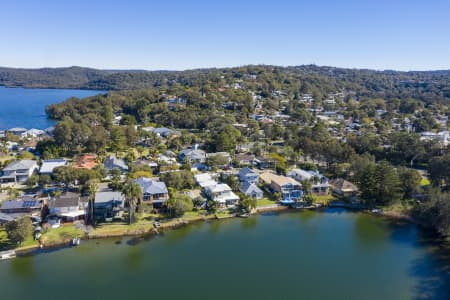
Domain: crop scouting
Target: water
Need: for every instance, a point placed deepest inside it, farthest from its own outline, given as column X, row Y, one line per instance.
column 307, row 255
column 21, row 107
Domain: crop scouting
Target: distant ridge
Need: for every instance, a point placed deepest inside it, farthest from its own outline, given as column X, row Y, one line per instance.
column 88, row 78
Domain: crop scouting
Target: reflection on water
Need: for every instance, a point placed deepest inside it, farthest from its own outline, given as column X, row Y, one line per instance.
column 23, row 268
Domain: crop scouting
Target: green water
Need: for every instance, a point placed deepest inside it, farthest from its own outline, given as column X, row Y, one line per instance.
column 301, row 255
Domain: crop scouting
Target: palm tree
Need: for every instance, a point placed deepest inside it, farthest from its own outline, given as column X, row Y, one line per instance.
column 93, row 187
column 133, row 194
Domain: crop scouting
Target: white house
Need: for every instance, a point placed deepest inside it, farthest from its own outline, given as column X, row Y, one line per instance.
column 248, row 175
column 19, row 171
column 251, row 189
column 319, row 182
column 49, row 165
column 222, row 194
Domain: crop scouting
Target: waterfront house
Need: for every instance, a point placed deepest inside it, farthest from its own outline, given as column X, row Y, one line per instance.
column 109, row 205
column 86, row 161
column 251, row 189
column 248, row 175
column 154, row 192
column 49, row 165
column 112, row 162
column 19, row 171
column 68, row 206
column 343, row 188
column 288, row 187
column 222, row 194
column 319, row 183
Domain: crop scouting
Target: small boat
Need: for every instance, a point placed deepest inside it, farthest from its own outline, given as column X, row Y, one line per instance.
column 156, row 224
column 76, row 241
column 376, row 211
column 7, row 254
column 244, row 215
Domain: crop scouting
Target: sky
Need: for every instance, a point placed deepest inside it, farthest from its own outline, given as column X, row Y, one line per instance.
column 178, row 35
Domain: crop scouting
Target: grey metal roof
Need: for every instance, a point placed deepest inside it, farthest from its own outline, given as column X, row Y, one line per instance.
column 150, row 186
column 102, row 197
column 16, row 204
column 64, row 200
column 112, row 162
column 248, row 188
column 24, row 164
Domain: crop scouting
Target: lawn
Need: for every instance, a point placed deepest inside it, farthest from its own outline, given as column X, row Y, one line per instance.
column 62, row 234
column 6, row 244
column 265, row 202
column 323, row 198
column 424, row 181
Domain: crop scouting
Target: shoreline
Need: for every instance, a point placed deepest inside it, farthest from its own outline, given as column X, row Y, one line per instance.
column 180, row 222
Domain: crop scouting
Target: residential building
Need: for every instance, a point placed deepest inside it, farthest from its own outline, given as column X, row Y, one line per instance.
column 245, row 159
column 19, row 171
column 49, row 165
column 344, row 188
column 222, row 194
column 251, row 189
column 109, row 205
column 154, row 192
column 25, row 206
column 319, row 183
column 193, row 156
column 248, row 175
column 204, row 180
column 112, row 162
column 68, row 206
column 288, row 187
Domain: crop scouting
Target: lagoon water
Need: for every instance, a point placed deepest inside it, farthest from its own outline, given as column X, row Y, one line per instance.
column 21, row 107
column 303, row 255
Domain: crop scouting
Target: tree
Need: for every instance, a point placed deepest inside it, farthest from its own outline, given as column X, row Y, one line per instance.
column 247, row 203
column 133, row 195
column 178, row 180
column 178, row 204
column 33, row 180
column 379, row 184
column 115, row 180
column 307, row 192
column 93, row 187
column 435, row 211
column 409, row 181
column 19, row 230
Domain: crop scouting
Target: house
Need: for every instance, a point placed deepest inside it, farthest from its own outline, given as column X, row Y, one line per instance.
column 18, row 131
column 109, row 205
column 86, row 161
column 226, row 157
column 154, row 192
column 112, row 162
column 193, row 156
column 288, row 187
column 68, row 206
column 265, row 162
column 344, row 188
column 222, row 194
column 49, row 165
column 19, row 171
column 24, row 206
column 251, row 189
column 204, row 180
column 319, row 183
column 248, row 175
column 34, row 133
column 245, row 159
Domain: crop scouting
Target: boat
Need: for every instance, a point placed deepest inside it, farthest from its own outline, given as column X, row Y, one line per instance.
column 76, row 241
column 7, row 254
column 376, row 211
column 244, row 215
column 156, row 224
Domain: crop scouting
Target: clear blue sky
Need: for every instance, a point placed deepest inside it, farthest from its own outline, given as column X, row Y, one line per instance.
column 183, row 34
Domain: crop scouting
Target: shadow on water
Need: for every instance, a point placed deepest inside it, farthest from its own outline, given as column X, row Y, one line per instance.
column 433, row 270
column 23, row 267
column 249, row 223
